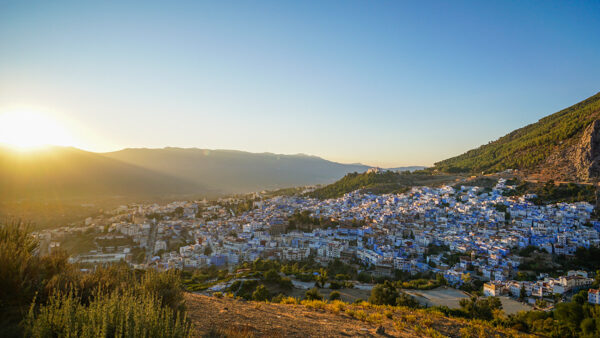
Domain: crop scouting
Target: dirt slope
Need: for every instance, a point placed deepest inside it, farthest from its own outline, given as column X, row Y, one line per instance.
column 225, row 317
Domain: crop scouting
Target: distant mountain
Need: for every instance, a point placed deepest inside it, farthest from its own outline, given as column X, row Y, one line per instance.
column 561, row 146
column 232, row 171
column 64, row 173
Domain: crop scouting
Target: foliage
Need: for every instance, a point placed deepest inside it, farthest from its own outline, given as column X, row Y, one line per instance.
column 528, row 146
column 322, row 277
column 480, row 308
column 550, row 192
column 120, row 313
column 261, row 293
column 313, row 294
column 381, row 182
column 51, row 287
column 334, row 295
column 243, row 288
column 388, row 294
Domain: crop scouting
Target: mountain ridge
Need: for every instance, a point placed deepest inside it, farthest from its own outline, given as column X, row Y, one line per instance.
column 541, row 149
column 69, row 172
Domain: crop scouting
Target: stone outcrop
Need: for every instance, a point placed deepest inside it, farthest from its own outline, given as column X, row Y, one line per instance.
column 586, row 155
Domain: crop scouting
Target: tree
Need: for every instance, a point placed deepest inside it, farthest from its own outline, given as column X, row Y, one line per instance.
column 208, row 250
column 522, row 293
column 440, row 279
column 588, row 326
column 272, row 276
column 480, row 308
column 384, row 294
column 322, row 278
column 557, row 298
column 569, row 314
column 465, row 277
column 364, row 277
column 581, row 297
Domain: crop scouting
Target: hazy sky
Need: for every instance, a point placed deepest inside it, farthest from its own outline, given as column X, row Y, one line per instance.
column 383, row 83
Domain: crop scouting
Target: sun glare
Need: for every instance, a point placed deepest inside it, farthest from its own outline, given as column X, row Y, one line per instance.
column 29, row 131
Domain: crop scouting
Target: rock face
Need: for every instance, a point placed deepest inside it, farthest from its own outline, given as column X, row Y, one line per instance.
column 578, row 159
column 587, row 153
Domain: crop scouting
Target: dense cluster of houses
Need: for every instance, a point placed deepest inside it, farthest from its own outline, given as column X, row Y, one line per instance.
column 544, row 288
column 479, row 229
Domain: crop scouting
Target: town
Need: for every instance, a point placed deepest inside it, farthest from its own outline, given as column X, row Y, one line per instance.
column 463, row 233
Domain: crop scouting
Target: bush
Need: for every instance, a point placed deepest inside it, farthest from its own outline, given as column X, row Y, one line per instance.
column 364, row 277
column 285, row 283
column 243, row 289
column 480, row 308
column 388, row 294
column 334, row 295
column 278, row 299
column 166, row 285
column 260, row 294
column 63, row 301
column 116, row 314
column 272, row 276
column 384, row 294
column 342, row 277
column 335, row 285
column 313, row 294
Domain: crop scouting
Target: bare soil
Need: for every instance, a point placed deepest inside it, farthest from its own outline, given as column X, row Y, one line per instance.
column 227, row 317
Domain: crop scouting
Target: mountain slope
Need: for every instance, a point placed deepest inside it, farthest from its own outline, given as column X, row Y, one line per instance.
column 379, row 182
column 560, row 146
column 237, row 171
column 64, row 173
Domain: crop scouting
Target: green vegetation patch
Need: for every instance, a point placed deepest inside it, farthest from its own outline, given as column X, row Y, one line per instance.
column 527, row 147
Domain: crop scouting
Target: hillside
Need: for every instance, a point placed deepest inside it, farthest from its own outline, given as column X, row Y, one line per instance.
column 561, row 146
column 380, row 182
column 61, row 173
column 66, row 173
column 225, row 317
column 231, row 171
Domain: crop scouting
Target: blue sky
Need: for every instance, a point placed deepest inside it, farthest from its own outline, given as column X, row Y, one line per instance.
column 386, row 83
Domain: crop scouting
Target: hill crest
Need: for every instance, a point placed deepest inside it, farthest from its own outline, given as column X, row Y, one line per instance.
column 561, row 146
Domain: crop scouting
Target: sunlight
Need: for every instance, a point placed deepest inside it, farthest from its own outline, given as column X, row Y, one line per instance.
column 24, row 130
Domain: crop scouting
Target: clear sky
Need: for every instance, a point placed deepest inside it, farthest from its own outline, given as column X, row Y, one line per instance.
column 385, row 83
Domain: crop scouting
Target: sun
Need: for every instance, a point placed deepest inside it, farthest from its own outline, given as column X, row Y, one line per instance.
column 24, row 130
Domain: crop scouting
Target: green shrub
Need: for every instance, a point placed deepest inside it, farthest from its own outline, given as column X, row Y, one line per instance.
column 260, row 294
column 62, row 300
column 335, row 285
column 334, row 295
column 313, row 294
column 108, row 315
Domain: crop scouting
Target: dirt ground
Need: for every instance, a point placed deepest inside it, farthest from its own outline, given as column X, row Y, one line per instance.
column 271, row 320
column 227, row 317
